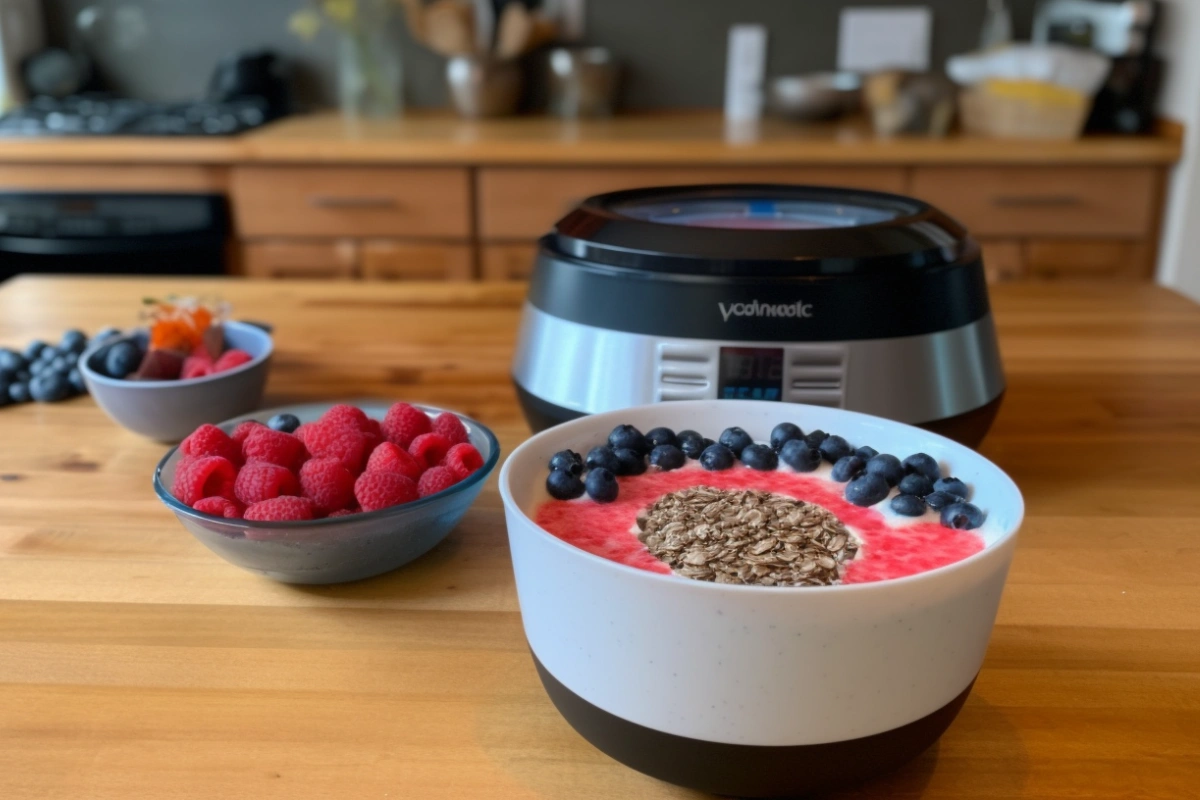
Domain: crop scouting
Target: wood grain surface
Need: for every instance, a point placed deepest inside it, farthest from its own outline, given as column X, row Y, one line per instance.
column 134, row 663
column 696, row 137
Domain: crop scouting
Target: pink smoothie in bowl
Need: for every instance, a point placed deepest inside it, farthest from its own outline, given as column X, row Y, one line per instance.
column 748, row 689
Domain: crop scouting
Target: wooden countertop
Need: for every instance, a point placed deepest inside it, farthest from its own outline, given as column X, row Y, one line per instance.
column 134, row 663
column 636, row 139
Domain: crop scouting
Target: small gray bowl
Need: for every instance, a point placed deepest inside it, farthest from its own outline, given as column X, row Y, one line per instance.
column 341, row 549
column 167, row 411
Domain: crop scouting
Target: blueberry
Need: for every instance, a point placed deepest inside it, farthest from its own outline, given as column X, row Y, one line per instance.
column 603, row 457
column 286, row 423
column 691, row 443
column 567, row 460
column 7, row 375
column 11, row 360
column 908, row 505
column 735, row 439
column 60, row 364
column 867, row 490
column 38, row 367
column 122, row 359
column 659, row 436
column 4, row 400
column 962, row 516
column 19, row 392
column 939, row 500
column 23, row 376
column 71, row 358
column 835, row 448
column 630, row 462
column 667, row 457
column 75, row 378
column 783, row 433
column 952, row 486
column 34, row 349
column 915, row 483
column 923, row 464
column 601, row 485
column 847, row 468
column 886, row 466
column 716, row 457
column 48, row 354
column 564, row 485
column 760, row 457
column 866, row 453
column 814, row 438
column 107, row 333
column 799, row 456
column 629, row 437
column 73, row 341
column 49, row 387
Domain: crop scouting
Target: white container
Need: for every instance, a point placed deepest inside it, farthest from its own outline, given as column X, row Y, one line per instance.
column 747, row 690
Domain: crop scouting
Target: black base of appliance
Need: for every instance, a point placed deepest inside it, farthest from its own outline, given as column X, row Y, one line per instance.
column 968, row 428
column 748, row 770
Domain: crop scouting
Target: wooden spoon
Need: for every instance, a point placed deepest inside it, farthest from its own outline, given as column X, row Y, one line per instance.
column 515, row 31
column 450, row 28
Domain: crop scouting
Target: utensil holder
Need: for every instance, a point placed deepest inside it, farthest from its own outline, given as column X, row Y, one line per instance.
column 483, row 87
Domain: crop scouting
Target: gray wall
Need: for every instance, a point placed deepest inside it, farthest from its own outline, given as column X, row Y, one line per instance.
column 673, row 50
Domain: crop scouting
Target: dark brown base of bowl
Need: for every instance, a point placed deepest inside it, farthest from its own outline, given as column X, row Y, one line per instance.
column 967, row 428
column 748, row 770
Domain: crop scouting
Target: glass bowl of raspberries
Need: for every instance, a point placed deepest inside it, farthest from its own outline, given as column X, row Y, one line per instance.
column 321, row 493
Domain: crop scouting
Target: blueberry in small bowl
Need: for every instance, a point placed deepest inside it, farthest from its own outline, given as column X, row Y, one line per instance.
column 168, row 410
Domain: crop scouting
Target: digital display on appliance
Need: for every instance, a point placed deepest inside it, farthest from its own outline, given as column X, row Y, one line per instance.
column 750, row 373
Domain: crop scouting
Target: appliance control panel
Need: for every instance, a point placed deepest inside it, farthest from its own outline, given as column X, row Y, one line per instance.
column 793, row 373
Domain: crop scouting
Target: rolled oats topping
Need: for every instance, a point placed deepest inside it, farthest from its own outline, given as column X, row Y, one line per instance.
column 747, row 537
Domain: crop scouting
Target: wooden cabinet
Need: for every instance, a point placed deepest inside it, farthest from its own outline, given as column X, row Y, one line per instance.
column 346, row 259
column 352, row 201
column 523, row 203
column 507, row 262
column 334, row 260
column 1065, row 259
column 384, row 260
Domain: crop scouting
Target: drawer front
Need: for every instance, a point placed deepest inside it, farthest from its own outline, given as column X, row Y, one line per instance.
column 353, row 201
column 403, row 261
column 166, row 178
column 332, row 260
column 1049, row 201
column 507, row 262
column 1003, row 259
column 518, row 203
column 1119, row 259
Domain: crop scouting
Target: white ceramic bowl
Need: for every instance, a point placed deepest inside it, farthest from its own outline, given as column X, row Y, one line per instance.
column 748, row 690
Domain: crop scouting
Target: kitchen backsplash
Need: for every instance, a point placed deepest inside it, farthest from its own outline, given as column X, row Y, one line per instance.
column 673, row 51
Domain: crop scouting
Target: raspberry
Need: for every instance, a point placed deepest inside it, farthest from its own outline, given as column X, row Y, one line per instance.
column 260, row 480
column 196, row 367
column 209, row 440
column 434, row 480
column 376, row 490
column 462, row 460
column 302, row 431
column 328, row 483
column 281, row 509
column 345, row 512
column 219, row 507
column 451, row 428
column 230, row 359
column 404, row 423
column 348, row 416
column 429, row 448
column 334, row 441
column 274, row 447
column 388, row 457
column 374, row 429
column 242, row 431
column 206, row 476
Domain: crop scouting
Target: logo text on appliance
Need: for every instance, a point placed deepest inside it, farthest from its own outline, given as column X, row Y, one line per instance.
column 756, row 309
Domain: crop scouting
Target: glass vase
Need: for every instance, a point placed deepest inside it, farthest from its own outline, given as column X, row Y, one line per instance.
column 370, row 72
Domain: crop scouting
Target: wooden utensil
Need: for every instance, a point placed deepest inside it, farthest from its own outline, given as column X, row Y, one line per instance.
column 414, row 17
column 449, row 27
column 515, row 31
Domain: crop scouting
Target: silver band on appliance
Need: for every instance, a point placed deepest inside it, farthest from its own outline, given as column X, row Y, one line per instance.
column 914, row 379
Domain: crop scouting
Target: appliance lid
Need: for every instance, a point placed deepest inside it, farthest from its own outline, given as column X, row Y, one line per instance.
column 761, row 230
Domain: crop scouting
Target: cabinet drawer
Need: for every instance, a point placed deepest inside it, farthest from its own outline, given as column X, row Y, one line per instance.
column 325, row 260
column 351, row 201
column 1003, row 259
column 1045, row 201
column 516, row 203
column 507, row 262
column 383, row 260
column 1112, row 258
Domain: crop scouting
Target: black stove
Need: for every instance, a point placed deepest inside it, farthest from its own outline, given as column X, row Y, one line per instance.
column 103, row 115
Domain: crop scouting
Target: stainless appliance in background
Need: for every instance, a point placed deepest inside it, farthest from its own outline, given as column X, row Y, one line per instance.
column 1124, row 30
column 21, row 35
column 98, row 234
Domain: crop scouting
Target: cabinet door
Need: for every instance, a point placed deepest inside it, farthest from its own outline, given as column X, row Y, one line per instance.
column 507, row 262
column 331, row 260
column 523, row 203
column 385, row 260
column 1003, row 259
column 1090, row 258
